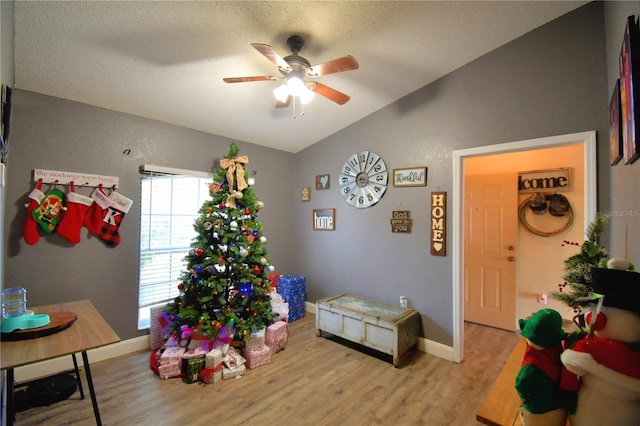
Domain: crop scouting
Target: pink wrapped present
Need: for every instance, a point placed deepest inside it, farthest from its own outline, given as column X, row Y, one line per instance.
column 171, row 353
column 194, row 353
column 277, row 336
column 230, row 373
column 257, row 358
column 211, row 375
column 169, row 369
column 200, row 341
column 256, row 340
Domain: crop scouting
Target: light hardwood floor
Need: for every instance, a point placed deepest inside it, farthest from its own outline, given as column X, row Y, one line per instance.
column 314, row 381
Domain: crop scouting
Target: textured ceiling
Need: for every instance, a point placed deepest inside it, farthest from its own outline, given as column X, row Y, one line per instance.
column 166, row 60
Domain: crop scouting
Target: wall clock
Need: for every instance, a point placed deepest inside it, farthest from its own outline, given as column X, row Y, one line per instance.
column 363, row 179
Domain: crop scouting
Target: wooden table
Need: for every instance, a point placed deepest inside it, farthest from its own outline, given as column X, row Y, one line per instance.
column 501, row 406
column 89, row 331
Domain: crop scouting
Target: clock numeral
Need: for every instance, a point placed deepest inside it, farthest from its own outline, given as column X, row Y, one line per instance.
column 361, row 200
column 370, row 197
column 347, row 190
column 352, row 196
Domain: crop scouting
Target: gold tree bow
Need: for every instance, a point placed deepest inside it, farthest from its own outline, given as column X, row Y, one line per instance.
column 234, row 166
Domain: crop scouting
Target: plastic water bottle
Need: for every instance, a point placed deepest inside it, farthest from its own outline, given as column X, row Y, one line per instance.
column 14, row 302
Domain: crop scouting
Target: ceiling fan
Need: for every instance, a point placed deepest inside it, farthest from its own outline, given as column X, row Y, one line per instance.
column 295, row 70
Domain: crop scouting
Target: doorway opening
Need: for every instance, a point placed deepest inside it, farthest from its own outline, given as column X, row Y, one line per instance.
column 586, row 139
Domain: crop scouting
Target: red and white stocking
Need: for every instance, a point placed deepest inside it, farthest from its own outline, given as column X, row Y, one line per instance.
column 30, row 227
column 77, row 208
column 106, row 214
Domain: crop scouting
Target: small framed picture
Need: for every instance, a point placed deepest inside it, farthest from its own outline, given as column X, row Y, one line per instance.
column 324, row 219
column 306, row 193
column 615, row 131
column 410, row 176
column 322, row 182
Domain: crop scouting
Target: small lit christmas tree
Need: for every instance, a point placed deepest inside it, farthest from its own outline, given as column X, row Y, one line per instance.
column 577, row 268
column 225, row 291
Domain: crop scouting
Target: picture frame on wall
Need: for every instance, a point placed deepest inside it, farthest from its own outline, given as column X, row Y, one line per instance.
column 615, row 130
column 628, row 62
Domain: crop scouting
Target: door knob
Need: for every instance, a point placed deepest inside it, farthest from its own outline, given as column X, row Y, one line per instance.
column 510, row 248
column 511, row 259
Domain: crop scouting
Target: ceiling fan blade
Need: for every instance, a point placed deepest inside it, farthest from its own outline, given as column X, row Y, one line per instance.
column 329, row 93
column 271, row 55
column 283, row 104
column 247, row 79
column 346, row 63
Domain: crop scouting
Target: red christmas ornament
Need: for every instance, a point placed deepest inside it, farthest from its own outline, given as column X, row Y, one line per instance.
column 256, row 270
column 221, row 260
column 180, row 286
column 199, row 251
column 247, row 211
column 222, row 205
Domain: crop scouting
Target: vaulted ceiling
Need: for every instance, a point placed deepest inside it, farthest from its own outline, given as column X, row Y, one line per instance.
column 166, row 60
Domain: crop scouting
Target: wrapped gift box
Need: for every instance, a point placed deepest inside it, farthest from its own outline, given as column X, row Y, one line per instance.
column 233, row 359
column 211, row 375
column 171, row 353
column 191, row 368
column 256, row 340
column 230, row 373
column 292, row 288
column 159, row 326
column 277, row 336
column 213, row 358
column 169, row 369
column 256, row 358
column 197, row 352
column 273, row 280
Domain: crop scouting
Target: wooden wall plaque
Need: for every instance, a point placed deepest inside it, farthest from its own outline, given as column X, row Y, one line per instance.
column 439, row 223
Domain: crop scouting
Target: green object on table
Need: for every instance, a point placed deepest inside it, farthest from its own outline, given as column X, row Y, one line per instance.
column 24, row 322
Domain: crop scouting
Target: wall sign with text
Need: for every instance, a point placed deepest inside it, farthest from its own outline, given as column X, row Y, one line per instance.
column 412, row 176
column 439, row 223
column 545, row 180
column 401, row 221
column 324, row 219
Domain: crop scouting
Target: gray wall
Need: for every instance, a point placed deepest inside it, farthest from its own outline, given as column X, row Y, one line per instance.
column 549, row 82
column 624, row 211
column 55, row 134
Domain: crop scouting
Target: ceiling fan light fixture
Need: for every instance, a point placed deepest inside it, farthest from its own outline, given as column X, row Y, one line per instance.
column 295, row 85
column 281, row 93
column 306, row 95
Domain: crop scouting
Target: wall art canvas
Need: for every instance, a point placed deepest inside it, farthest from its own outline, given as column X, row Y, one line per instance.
column 628, row 61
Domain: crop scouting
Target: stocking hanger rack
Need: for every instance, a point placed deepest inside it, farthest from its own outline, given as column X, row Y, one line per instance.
column 78, row 179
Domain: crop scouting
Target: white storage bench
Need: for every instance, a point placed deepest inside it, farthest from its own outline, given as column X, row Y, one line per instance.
column 386, row 328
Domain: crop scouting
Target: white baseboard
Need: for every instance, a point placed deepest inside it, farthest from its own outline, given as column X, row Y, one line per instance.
column 57, row 365
column 65, row 363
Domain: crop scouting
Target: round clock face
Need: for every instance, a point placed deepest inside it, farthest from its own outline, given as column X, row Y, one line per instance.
column 363, row 179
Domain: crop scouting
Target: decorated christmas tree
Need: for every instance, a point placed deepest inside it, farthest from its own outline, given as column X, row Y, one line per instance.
column 577, row 268
column 224, row 293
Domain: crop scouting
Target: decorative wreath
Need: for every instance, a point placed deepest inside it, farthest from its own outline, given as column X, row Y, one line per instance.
column 558, row 206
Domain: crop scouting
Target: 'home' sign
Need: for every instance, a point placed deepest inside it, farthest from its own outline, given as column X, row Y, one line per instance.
column 545, row 180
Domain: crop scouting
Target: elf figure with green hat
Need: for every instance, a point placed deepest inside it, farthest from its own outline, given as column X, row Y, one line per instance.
column 539, row 381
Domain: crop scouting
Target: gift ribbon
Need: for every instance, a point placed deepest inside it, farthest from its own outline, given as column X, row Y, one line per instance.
column 234, row 165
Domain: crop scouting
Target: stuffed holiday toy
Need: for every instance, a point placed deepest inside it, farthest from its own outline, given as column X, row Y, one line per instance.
column 607, row 361
column 538, row 381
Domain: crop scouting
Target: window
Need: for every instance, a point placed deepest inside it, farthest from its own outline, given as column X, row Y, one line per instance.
column 168, row 207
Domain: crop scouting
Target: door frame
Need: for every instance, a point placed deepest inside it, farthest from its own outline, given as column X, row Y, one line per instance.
column 587, row 139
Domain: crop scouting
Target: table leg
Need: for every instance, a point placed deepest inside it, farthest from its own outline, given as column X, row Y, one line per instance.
column 94, row 402
column 75, row 368
column 11, row 413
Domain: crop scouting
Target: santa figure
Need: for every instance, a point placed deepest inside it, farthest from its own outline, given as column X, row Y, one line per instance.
column 607, row 361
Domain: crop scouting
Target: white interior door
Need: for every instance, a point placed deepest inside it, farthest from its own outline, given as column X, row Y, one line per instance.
column 490, row 236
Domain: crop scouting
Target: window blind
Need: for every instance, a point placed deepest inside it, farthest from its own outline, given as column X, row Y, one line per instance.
column 169, row 204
